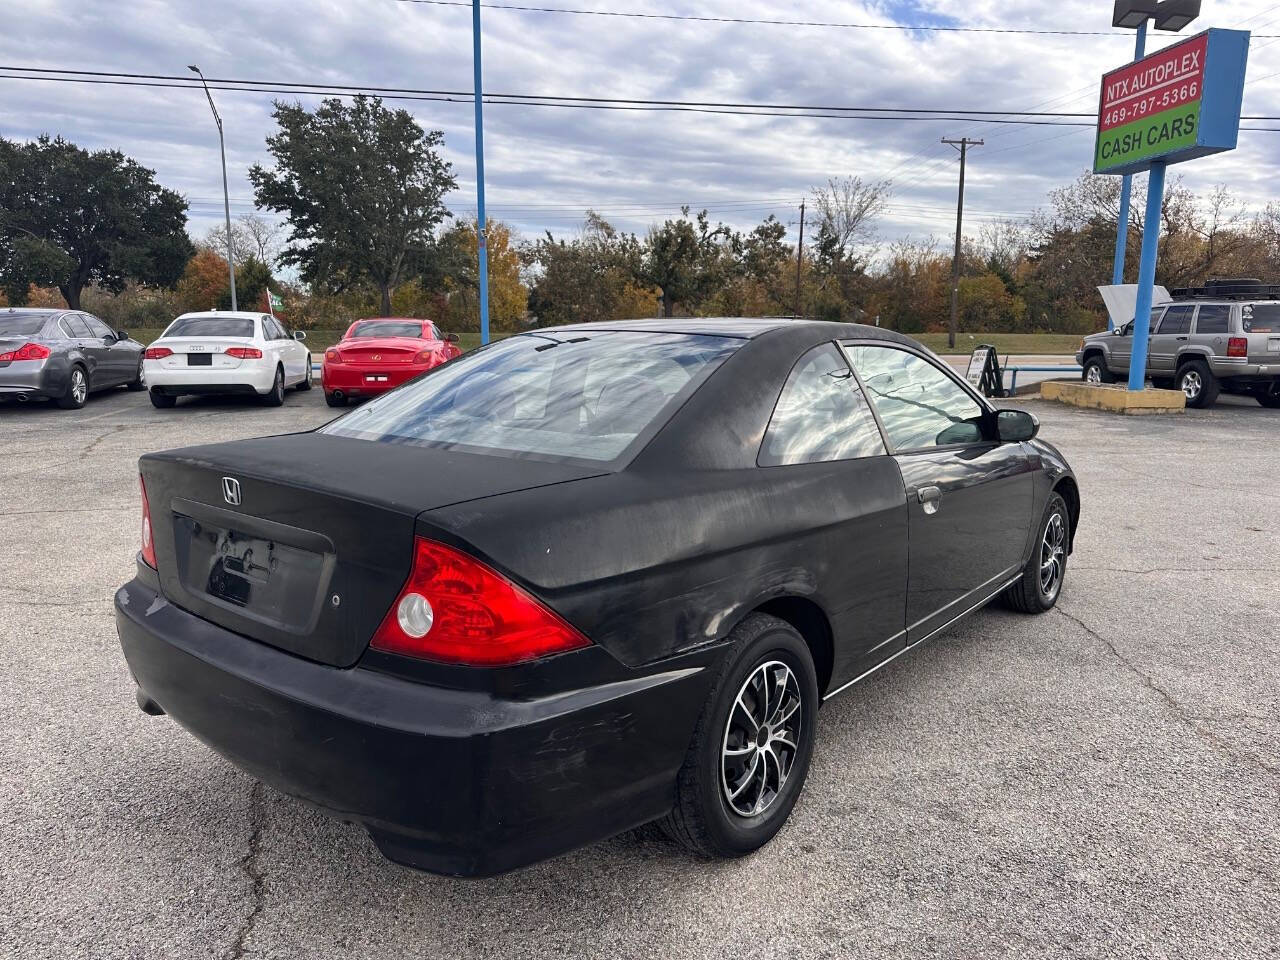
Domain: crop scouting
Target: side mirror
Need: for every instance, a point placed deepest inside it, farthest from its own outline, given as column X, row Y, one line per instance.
column 299, row 335
column 122, row 335
column 1016, row 425
column 451, row 337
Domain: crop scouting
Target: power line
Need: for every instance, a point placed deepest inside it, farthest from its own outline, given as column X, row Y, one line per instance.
column 760, row 21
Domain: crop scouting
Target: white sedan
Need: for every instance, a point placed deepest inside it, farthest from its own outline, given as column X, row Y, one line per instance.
column 222, row 352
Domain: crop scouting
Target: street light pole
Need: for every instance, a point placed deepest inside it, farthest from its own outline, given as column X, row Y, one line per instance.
column 226, row 196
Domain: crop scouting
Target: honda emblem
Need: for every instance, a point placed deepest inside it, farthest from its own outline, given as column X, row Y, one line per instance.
column 231, row 491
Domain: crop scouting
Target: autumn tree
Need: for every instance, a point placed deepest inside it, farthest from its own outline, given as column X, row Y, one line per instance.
column 203, row 282
column 70, row 218
column 508, row 296
column 362, row 188
column 845, row 211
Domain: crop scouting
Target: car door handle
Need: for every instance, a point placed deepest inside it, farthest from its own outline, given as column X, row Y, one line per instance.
column 930, row 499
column 1182, row 338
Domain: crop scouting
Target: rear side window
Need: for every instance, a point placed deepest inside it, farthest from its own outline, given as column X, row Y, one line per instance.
column 919, row 405
column 1261, row 317
column 1213, row 318
column 821, row 415
column 1177, row 320
column 77, row 327
column 210, row 327
column 570, row 396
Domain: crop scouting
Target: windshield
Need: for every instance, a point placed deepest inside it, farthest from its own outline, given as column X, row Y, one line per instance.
column 210, row 327
column 22, row 324
column 1261, row 318
column 383, row 328
column 564, row 394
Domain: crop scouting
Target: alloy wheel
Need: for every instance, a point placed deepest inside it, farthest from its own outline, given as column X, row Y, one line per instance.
column 79, row 387
column 761, row 739
column 1192, row 384
column 1093, row 374
column 1053, row 552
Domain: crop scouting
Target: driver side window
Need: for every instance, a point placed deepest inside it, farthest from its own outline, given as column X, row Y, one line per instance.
column 919, row 405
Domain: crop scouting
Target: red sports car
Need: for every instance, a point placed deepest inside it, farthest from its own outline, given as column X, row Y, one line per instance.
column 375, row 355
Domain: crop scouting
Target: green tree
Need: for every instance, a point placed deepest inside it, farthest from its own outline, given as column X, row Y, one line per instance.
column 362, row 187
column 687, row 260
column 252, row 279
column 72, row 218
column 590, row 277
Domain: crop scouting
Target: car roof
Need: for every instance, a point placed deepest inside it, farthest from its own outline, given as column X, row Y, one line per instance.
column 742, row 328
column 29, row 311
column 221, row 314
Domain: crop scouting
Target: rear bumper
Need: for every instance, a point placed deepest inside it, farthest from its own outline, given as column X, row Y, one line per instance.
column 248, row 377
column 33, row 378
column 363, row 379
column 460, row 782
column 1224, row 367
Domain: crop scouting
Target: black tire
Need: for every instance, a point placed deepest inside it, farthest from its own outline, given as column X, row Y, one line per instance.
column 162, row 401
column 139, row 382
column 1029, row 594
column 1270, row 398
column 703, row 819
column 305, row 383
column 333, row 400
column 1095, row 370
column 77, row 391
column 276, row 397
column 1197, row 383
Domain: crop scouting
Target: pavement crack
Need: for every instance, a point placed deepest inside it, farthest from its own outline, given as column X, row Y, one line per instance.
column 249, row 865
column 1187, row 717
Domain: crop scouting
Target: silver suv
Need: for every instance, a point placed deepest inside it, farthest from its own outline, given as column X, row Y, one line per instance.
column 1224, row 336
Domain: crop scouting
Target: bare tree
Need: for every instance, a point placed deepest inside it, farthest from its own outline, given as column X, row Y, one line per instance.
column 254, row 237
column 846, row 209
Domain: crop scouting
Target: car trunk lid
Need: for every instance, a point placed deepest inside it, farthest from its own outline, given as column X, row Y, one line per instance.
column 389, row 350
column 303, row 541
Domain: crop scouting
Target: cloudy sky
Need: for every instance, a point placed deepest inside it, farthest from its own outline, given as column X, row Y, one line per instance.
column 545, row 165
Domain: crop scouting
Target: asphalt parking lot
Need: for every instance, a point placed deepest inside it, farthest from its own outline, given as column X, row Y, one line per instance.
column 1103, row 780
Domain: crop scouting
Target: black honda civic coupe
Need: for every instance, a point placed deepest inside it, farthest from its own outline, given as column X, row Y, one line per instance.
column 583, row 579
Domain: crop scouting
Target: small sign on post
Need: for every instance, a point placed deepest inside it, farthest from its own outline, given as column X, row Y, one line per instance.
column 984, row 371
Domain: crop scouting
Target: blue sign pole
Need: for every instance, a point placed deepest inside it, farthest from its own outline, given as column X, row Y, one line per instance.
column 1146, row 276
column 482, row 222
column 1126, row 189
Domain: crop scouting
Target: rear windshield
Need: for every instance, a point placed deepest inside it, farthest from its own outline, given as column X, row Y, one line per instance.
column 22, row 324
column 1261, row 317
column 566, row 395
column 383, row 328
column 210, row 327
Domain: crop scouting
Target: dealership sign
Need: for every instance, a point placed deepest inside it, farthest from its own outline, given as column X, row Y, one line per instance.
column 1178, row 104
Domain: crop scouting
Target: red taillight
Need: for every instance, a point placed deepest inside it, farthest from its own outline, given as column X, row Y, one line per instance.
column 148, row 543
column 28, row 351
column 1238, row 347
column 425, row 356
column 332, row 356
column 454, row 609
column 157, row 353
column 244, row 353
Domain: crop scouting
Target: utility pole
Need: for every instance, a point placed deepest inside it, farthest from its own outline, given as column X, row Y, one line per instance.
column 799, row 259
column 226, row 196
column 963, row 144
column 482, row 222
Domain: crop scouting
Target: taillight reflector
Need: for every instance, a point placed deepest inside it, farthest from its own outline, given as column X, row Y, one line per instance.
column 148, row 541
column 455, row 609
column 425, row 356
column 332, row 355
column 28, row 351
column 244, row 353
column 1238, row 347
column 157, row 353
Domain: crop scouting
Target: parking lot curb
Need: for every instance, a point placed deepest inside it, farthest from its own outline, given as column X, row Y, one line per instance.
column 1113, row 397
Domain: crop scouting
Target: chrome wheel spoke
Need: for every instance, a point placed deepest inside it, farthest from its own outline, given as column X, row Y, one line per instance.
column 761, row 739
